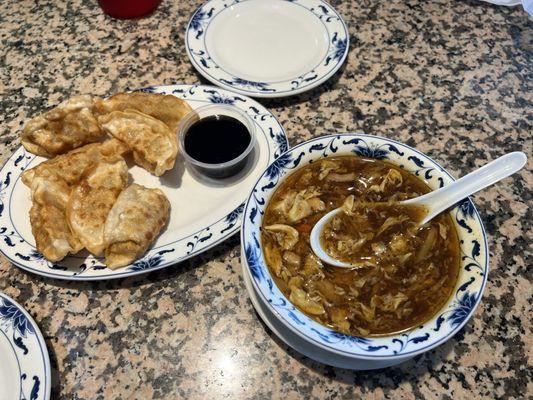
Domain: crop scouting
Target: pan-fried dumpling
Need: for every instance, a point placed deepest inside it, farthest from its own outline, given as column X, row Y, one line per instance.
column 63, row 128
column 166, row 108
column 133, row 223
column 53, row 237
column 50, row 190
column 154, row 145
column 51, row 184
column 70, row 166
column 91, row 200
column 49, row 226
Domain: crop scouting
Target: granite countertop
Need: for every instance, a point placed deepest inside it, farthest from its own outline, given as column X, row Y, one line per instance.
column 453, row 78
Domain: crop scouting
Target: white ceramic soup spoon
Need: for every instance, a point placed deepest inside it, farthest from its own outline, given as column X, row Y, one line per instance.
column 437, row 201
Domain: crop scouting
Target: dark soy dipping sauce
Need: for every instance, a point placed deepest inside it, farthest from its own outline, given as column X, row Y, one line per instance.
column 217, row 139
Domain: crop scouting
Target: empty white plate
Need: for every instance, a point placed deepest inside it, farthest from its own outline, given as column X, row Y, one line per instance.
column 24, row 363
column 267, row 48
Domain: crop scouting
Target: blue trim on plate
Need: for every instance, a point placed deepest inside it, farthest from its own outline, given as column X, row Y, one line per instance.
column 315, row 326
column 16, row 358
column 337, row 41
column 275, row 139
column 47, row 373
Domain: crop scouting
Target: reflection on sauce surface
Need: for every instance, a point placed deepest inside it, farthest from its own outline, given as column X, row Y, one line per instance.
column 216, row 139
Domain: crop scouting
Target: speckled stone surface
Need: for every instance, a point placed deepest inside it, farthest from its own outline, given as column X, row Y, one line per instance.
column 453, row 78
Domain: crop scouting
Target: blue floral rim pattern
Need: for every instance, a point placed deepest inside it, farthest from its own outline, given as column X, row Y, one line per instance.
column 200, row 57
column 474, row 260
column 28, row 346
column 20, row 252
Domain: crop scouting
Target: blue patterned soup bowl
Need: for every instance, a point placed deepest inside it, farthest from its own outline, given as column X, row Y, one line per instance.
column 376, row 351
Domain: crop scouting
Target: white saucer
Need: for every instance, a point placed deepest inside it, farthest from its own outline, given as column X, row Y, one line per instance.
column 267, row 48
column 24, row 363
column 296, row 342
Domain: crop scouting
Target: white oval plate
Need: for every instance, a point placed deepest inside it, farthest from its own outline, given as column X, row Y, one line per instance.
column 202, row 214
column 25, row 366
column 267, row 48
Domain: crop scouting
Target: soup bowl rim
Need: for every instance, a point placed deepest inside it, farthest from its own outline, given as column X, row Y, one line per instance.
column 445, row 324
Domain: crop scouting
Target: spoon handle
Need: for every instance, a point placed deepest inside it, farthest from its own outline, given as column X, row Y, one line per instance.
column 487, row 175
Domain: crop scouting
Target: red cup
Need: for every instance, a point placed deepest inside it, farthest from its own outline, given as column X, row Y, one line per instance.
column 126, row 9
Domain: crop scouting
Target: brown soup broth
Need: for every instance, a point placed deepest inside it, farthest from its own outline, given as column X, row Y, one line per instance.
column 407, row 273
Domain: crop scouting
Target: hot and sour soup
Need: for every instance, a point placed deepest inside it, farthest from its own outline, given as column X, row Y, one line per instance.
column 404, row 272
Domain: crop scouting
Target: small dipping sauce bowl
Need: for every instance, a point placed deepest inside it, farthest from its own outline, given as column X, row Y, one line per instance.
column 216, row 140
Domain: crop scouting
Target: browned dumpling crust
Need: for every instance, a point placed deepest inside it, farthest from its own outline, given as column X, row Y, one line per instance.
column 63, row 128
column 154, row 145
column 75, row 193
column 53, row 237
column 133, row 223
column 51, row 183
column 166, row 108
column 91, row 200
column 70, row 166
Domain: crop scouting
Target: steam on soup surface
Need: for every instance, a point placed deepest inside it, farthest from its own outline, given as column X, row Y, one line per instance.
column 405, row 274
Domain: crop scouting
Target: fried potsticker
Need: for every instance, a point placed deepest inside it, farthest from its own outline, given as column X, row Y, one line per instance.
column 166, row 108
column 63, row 128
column 133, row 223
column 154, row 145
column 51, row 184
column 70, row 166
column 91, row 200
column 49, row 226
